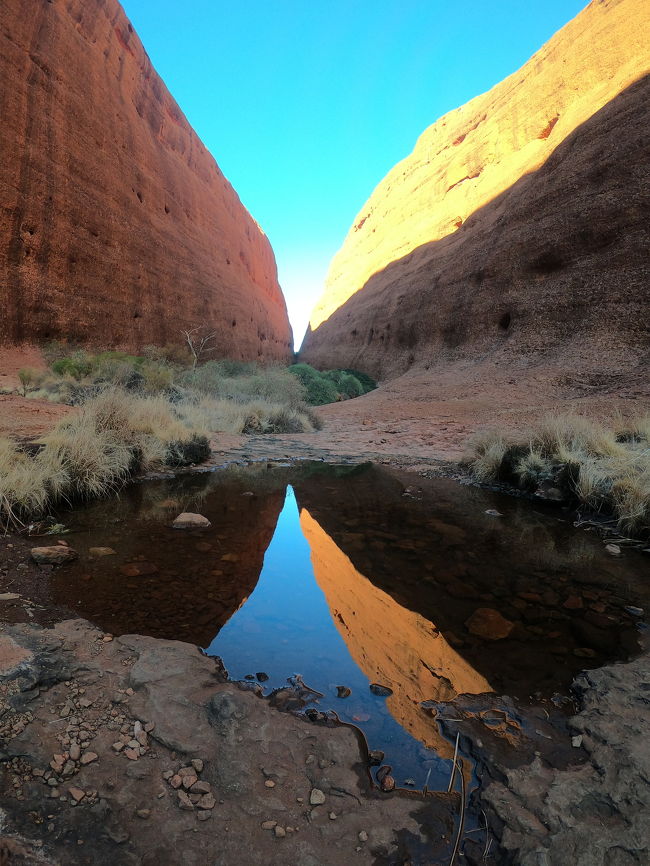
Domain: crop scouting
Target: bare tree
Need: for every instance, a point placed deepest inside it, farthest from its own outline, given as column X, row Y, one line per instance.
column 199, row 340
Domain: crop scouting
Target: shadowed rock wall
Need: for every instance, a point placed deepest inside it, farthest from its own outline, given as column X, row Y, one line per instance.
column 518, row 225
column 117, row 226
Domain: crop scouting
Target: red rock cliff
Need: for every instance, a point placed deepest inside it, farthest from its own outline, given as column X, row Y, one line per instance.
column 117, row 226
column 518, row 226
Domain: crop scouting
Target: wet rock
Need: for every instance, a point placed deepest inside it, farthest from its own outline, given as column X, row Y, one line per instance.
column 375, row 757
column 384, row 771
column 261, row 676
column 343, row 692
column 488, row 624
column 388, row 783
column 57, row 554
column 381, row 691
column 188, row 520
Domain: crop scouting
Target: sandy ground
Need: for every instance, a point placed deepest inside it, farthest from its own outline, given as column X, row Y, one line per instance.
column 419, row 416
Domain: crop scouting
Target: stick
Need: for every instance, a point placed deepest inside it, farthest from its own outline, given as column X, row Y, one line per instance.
column 453, row 766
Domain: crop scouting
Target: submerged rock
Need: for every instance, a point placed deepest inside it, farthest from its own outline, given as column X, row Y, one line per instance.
column 489, row 624
column 187, row 520
column 57, row 554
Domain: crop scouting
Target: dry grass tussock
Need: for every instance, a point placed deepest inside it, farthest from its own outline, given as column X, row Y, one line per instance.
column 95, row 451
column 607, row 468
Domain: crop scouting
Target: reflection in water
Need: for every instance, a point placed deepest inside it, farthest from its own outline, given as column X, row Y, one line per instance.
column 365, row 578
column 392, row 645
column 292, row 624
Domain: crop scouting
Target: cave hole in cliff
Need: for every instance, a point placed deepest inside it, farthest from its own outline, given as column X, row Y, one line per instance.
column 166, row 209
column 140, row 197
column 234, row 323
column 505, row 321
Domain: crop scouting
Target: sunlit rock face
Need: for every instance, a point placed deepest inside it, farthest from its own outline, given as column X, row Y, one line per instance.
column 518, row 225
column 118, row 226
column 393, row 646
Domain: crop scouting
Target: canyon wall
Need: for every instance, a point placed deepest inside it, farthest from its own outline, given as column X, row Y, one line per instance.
column 117, row 226
column 518, row 227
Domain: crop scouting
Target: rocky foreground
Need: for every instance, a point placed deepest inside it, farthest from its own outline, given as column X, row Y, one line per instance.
column 133, row 750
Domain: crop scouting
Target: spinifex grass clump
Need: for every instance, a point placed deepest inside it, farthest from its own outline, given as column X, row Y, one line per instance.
column 570, row 457
column 95, row 451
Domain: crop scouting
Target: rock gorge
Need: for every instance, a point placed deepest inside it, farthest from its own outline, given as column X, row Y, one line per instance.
column 118, row 227
column 517, row 231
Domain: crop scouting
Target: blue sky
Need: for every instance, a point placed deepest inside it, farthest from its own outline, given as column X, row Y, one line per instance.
column 307, row 104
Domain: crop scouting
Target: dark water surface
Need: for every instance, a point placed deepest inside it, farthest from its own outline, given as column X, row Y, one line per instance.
column 352, row 576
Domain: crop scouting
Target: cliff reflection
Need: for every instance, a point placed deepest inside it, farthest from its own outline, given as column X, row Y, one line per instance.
column 392, row 645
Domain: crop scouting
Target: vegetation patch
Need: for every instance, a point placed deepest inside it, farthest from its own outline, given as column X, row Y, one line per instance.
column 330, row 386
column 569, row 458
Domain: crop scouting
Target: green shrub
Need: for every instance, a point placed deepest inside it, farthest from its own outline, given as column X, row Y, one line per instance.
column 78, row 366
column 319, row 390
column 367, row 383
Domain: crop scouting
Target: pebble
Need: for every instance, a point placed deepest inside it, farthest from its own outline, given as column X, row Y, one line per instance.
column 75, row 751
column 614, row 549
column 197, row 763
column 200, row 788
column 117, row 746
column 184, row 802
column 88, row 758
column 332, row 816
column 316, row 798
column 269, row 825
column 167, row 775
column 176, row 781
column 576, row 741
column 363, row 836
column 188, row 781
column 269, row 783
column 143, row 813
column 203, row 815
column 207, row 801
column 77, row 794
column 280, row 832
column 132, row 754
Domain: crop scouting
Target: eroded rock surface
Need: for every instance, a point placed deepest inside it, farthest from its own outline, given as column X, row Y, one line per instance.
column 119, row 227
column 516, row 229
column 135, row 751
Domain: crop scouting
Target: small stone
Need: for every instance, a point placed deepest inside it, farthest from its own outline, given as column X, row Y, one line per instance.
column 332, row 816
column 137, row 727
column 269, row 783
column 184, row 802
column 363, row 836
column 203, row 815
column 584, row 652
column 77, row 794
column 167, row 775
column 55, row 555
column 381, row 691
column 576, row 741
column 343, row 692
column 197, row 763
column 142, row 738
column 489, row 624
column 200, row 788
column 613, row 549
column 176, row 781
column 101, row 551
column 387, row 783
column 187, row 771
column 143, row 813
column 269, row 825
column 188, row 781
column 188, row 520
column 149, row 728
column 117, row 747
column 88, row 758
column 316, row 798
column 280, row 832
column 132, row 754
column 75, row 751
column 207, row 801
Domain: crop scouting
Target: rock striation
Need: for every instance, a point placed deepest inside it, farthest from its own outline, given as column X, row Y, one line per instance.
column 518, row 226
column 118, row 227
